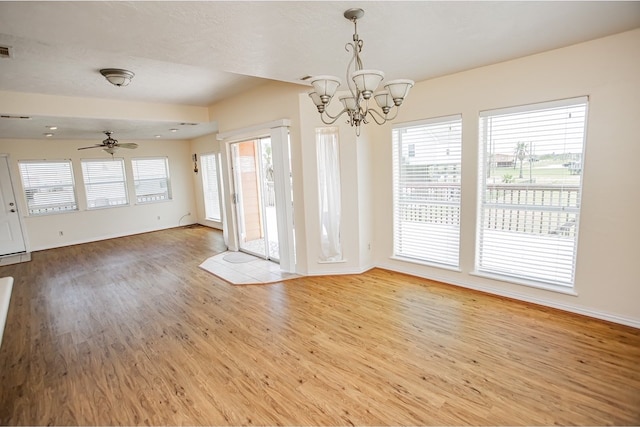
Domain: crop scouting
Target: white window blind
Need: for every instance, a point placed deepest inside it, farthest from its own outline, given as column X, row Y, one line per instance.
column 426, row 173
column 151, row 179
column 48, row 186
column 210, row 187
column 105, row 183
column 530, row 177
column 329, row 195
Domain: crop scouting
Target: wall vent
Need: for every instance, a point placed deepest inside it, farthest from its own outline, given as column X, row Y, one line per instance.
column 5, row 52
column 15, row 117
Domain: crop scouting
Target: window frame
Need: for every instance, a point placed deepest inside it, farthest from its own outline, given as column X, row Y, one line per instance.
column 25, row 188
column 567, row 287
column 450, row 240
column 167, row 180
column 204, row 160
column 87, row 184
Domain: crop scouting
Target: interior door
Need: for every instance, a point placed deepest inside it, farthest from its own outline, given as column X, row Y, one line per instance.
column 254, row 197
column 11, row 237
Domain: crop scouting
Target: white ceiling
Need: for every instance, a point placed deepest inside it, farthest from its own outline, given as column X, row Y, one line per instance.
column 199, row 52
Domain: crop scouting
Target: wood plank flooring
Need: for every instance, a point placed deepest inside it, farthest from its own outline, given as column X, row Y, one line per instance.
column 130, row 331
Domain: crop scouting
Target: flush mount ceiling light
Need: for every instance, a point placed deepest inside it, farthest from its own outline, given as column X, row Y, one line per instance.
column 362, row 85
column 117, row 77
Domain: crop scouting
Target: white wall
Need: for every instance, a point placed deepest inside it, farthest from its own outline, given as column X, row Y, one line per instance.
column 43, row 232
column 608, row 71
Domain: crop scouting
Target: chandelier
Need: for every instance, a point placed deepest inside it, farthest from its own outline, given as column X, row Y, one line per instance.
column 362, row 85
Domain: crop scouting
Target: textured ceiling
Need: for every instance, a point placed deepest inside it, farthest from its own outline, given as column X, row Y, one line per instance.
column 197, row 53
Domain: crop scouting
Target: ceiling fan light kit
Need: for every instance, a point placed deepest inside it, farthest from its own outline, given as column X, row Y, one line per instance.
column 362, row 84
column 110, row 145
column 117, row 76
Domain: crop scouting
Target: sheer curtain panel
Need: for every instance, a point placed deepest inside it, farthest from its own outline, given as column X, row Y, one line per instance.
column 327, row 148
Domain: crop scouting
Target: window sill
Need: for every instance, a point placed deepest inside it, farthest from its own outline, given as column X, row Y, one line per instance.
column 152, row 202
column 339, row 261
column 426, row 263
column 530, row 283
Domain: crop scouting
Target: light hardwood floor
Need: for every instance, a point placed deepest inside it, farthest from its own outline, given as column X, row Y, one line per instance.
column 130, row 331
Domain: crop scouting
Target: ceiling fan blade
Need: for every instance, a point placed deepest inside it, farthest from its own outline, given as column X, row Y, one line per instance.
column 93, row 146
column 128, row 145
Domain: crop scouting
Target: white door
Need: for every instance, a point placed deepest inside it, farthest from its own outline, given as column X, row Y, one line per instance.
column 11, row 238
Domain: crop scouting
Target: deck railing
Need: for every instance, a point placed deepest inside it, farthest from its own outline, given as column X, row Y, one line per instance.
column 535, row 208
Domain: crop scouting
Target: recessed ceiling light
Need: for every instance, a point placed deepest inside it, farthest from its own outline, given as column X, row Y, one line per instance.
column 158, row 136
column 173, row 130
column 187, row 124
column 52, row 127
column 48, row 135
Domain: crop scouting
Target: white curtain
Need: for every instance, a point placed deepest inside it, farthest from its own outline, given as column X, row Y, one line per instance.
column 327, row 148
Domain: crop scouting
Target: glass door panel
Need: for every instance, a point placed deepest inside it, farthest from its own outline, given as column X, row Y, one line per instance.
column 255, row 198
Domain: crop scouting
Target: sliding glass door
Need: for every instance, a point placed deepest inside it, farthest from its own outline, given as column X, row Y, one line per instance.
column 254, row 197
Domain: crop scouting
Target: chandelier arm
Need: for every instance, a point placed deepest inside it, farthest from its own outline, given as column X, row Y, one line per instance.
column 373, row 113
column 394, row 115
column 334, row 119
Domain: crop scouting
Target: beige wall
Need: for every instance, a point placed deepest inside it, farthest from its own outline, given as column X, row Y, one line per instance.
column 608, row 71
column 81, row 226
column 268, row 103
column 356, row 220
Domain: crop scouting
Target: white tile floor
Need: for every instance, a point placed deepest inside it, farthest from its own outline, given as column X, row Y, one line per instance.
column 257, row 271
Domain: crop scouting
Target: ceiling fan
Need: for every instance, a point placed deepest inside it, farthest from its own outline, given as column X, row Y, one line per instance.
column 110, row 145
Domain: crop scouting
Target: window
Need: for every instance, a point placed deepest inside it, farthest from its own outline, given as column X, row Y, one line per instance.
column 48, row 186
column 426, row 200
column 105, row 183
column 530, row 178
column 210, row 187
column 151, row 179
column 328, row 155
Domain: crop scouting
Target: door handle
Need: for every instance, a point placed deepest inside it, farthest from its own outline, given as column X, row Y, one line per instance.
column 13, row 210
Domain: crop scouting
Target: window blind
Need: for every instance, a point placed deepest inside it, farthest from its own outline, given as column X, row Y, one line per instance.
column 151, row 179
column 530, row 177
column 210, row 187
column 426, row 172
column 105, row 183
column 48, row 186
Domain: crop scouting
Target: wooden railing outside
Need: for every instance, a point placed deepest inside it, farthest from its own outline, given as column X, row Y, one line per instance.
column 536, row 208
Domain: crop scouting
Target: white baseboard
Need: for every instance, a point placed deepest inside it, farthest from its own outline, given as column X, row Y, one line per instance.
column 341, row 272
column 635, row 323
column 107, row 237
column 15, row 258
